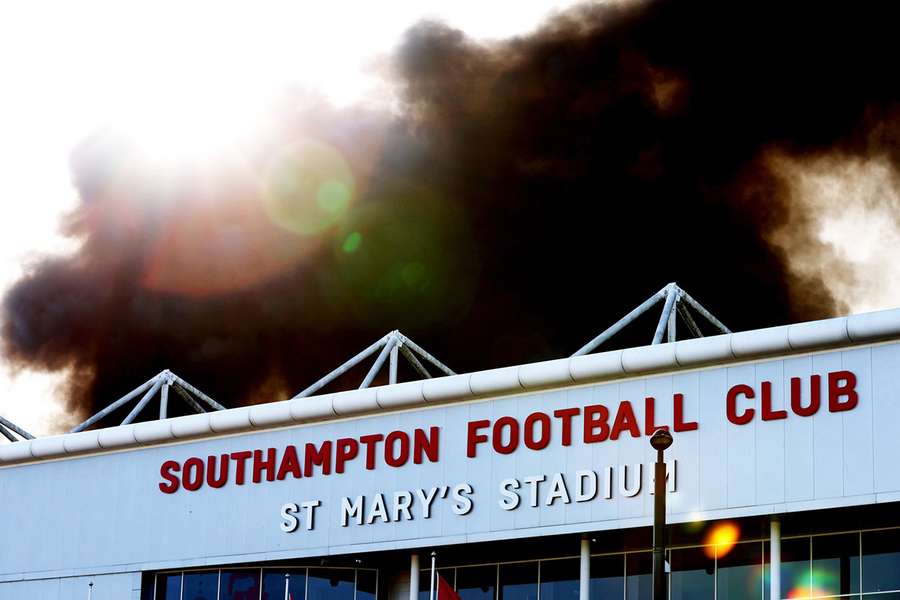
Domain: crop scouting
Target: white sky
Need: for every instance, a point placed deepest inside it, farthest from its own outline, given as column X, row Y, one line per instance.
column 67, row 67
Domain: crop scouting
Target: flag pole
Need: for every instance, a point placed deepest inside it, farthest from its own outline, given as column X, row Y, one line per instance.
column 90, row 590
column 431, row 588
column 287, row 579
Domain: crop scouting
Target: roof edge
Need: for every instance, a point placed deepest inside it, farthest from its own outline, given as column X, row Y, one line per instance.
column 589, row 368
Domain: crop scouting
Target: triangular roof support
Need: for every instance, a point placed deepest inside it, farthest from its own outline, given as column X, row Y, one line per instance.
column 160, row 383
column 389, row 348
column 8, row 428
column 677, row 302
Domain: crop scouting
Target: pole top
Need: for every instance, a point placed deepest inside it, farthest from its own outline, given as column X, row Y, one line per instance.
column 661, row 439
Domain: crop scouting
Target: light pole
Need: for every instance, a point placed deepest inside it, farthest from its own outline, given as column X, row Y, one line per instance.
column 660, row 440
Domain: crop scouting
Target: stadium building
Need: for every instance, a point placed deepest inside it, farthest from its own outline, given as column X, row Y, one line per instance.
column 531, row 482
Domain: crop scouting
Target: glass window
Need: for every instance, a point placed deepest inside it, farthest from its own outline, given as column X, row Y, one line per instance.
column 239, row 585
column 201, row 586
column 692, row 574
column 607, row 577
column 425, row 581
column 795, row 581
column 330, row 584
column 367, row 583
column 560, row 579
column 518, row 581
column 881, row 561
column 168, row 586
column 835, row 564
column 638, row 575
column 273, row 584
column 739, row 575
column 476, row 583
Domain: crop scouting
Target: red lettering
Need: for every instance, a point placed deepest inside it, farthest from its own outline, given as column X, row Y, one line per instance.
column 680, row 423
column 371, row 441
column 625, row 420
column 768, row 414
column 531, row 421
column 392, row 456
column 650, row 416
column 595, row 416
column 842, row 384
column 815, row 396
column 240, row 460
column 320, row 457
column 426, row 445
column 347, row 449
column 497, row 435
column 566, row 415
column 474, row 438
column 211, row 479
column 167, row 472
column 193, row 474
column 731, row 404
column 260, row 465
column 290, row 464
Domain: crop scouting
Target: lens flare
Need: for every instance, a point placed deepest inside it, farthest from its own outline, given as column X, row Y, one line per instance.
column 308, row 187
column 721, row 539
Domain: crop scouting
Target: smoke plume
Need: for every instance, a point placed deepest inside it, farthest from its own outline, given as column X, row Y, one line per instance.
column 520, row 196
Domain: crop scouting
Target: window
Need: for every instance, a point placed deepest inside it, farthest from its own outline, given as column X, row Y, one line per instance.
column 519, row 581
column 239, row 585
column 273, row 584
column 607, row 577
column 638, row 576
column 367, row 584
column 560, row 579
column 835, row 564
column 739, row 572
column 795, row 580
column 692, row 575
column 476, row 583
column 200, row 586
column 330, row 584
column 881, row 561
column 168, row 586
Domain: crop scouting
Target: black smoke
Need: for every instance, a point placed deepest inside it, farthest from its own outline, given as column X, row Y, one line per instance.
column 523, row 196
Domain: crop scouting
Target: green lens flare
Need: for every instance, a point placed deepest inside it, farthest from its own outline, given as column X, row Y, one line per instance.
column 352, row 242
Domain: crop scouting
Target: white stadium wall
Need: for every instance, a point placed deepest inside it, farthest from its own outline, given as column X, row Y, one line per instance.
column 747, row 442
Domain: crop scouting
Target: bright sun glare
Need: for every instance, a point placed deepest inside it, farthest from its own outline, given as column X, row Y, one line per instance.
column 185, row 80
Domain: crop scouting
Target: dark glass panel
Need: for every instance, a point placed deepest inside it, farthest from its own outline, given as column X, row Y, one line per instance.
column 239, row 585
column 560, row 579
column 835, row 564
column 881, row 561
column 330, row 584
column 425, row 580
column 692, row 576
column 795, row 580
column 740, row 572
column 607, row 577
column 367, row 584
column 200, row 586
column 639, row 576
column 519, row 581
column 273, row 584
column 476, row 583
column 168, row 586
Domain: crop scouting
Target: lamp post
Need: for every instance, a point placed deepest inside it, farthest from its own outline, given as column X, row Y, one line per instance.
column 660, row 440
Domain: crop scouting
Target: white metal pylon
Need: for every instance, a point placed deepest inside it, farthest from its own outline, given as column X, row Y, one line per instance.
column 677, row 302
column 8, row 428
column 391, row 345
column 161, row 383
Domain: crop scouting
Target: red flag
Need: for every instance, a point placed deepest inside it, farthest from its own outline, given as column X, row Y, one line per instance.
column 445, row 591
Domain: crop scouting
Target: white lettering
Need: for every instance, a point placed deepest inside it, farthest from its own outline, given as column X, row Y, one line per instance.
column 534, row 481
column 402, row 502
column 289, row 523
column 462, row 504
column 351, row 510
column 510, row 499
column 585, row 493
column 426, row 501
column 558, row 490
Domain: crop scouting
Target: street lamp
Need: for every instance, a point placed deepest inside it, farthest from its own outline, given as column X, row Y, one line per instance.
column 660, row 440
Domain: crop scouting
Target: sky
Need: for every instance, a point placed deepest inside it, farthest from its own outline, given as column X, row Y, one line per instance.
column 72, row 67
